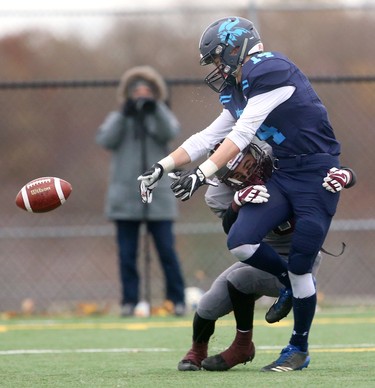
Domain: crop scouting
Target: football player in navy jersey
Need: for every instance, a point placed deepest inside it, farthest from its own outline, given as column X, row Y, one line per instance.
column 239, row 286
column 264, row 94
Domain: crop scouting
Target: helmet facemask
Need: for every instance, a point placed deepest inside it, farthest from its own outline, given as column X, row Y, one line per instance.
column 224, row 74
column 252, row 166
column 227, row 62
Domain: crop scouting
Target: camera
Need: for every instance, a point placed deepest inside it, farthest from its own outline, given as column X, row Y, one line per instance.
column 146, row 105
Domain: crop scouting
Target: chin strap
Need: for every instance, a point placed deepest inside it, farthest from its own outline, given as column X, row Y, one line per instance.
column 343, row 246
column 243, row 52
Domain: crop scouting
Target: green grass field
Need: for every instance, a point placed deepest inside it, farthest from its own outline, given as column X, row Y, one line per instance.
column 108, row 351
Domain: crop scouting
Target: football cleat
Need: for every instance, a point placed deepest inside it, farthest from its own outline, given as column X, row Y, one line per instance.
column 291, row 358
column 193, row 358
column 229, row 358
column 282, row 306
column 188, row 365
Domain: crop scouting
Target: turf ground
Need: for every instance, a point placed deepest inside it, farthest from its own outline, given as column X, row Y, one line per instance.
column 107, row 351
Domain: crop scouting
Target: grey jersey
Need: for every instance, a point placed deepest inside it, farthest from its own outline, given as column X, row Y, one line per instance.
column 216, row 302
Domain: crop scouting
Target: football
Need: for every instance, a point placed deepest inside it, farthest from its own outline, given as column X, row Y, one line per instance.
column 43, row 194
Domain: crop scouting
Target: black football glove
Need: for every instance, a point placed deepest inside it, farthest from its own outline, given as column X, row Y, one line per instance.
column 186, row 183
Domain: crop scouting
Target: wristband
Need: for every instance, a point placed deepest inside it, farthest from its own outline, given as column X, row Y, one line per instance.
column 208, row 168
column 353, row 177
column 235, row 206
column 167, row 163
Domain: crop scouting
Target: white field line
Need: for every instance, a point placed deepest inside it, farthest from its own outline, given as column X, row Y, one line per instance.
column 16, row 352
column 315, row 348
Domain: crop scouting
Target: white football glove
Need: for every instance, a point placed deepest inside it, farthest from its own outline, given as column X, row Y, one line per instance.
column 336, row 179
column 251, row 194
column 145, row 192
column 148, row 181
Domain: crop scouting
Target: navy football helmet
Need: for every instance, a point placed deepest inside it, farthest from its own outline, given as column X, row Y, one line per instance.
column 251, row 166
column 225, row 43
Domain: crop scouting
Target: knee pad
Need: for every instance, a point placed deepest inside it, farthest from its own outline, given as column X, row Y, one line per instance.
column 244, row 279
column 306, row 242
column 243, row 252
column 303, row 286
column 212, row 306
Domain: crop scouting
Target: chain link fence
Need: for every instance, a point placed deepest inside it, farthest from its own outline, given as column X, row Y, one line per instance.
column 67, row 257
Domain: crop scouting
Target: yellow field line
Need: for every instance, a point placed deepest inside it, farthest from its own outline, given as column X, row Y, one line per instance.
column 330, row 350
column 167, row 324
column 344, row 350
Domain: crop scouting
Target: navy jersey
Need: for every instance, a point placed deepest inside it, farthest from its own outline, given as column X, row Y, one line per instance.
column 298, row 126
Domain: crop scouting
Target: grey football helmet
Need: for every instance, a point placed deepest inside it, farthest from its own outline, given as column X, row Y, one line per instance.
column 251, row 166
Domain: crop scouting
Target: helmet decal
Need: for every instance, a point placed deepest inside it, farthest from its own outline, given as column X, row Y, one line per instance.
column 239, row 112
column 225, row 44
column 226, row 34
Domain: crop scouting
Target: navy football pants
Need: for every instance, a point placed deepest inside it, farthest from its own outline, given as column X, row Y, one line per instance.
column 295, row 191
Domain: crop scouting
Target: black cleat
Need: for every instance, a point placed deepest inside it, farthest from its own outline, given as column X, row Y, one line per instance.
column 228, row 359
column 282, row 306
column 215, row 363
column 193, row 358
column 187, row 365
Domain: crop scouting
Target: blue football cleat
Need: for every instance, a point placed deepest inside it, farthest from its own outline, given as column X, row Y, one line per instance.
column 282, row 306
column 291, row 358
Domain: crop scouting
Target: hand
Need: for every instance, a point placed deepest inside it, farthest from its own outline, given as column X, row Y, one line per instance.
column 336, row 179
column 251, row 194
column 129, row 108
column 186, row 183
column 132, row 107
column 148, row 181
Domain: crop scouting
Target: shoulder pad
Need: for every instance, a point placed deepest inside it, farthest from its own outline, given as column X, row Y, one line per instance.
column 265, row 72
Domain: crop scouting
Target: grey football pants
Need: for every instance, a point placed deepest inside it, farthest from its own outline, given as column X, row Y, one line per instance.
column 216, row 303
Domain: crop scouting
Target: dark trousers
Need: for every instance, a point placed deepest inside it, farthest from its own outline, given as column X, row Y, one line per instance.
column 163, row 237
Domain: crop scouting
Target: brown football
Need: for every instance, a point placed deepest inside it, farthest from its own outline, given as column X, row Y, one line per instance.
column 43, row 194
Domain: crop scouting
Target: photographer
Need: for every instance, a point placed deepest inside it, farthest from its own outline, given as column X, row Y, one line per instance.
column 136, row 134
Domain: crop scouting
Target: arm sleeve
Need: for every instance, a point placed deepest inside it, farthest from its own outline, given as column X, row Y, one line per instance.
column 255, row 112
column 201, row 142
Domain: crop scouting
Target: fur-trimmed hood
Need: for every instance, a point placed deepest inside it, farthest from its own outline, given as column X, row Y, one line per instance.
column 145, row 73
